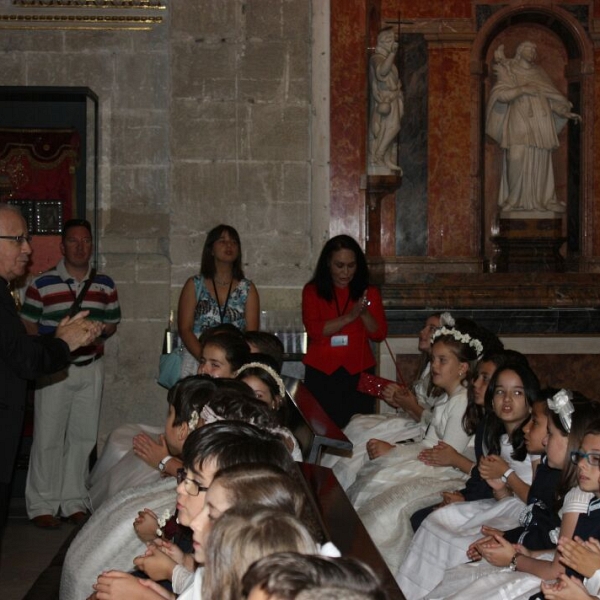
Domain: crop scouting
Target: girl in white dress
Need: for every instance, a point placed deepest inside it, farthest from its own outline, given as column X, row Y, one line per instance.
column 512, row 570
column 443, row 538
column 413, row 412
column 389, row 488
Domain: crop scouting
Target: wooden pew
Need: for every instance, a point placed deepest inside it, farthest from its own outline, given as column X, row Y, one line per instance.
column 310, row 423
column 342, row 526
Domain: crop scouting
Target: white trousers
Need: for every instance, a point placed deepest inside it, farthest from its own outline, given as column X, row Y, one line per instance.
column 65, row 429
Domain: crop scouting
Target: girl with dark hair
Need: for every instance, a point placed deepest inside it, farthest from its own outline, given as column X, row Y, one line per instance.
column 136, row 454
column 265, row 382
column 453, row 530
column 473, row 420
column 222, row 355
column 396, row 481
column 570, row 416
column 220, row 294
column 342, row 313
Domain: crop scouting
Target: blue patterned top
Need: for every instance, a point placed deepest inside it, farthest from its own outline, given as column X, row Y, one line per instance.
column 207, row 310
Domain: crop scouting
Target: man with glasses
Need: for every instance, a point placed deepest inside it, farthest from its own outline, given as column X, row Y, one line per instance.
column 67, row 403
column 24, row 357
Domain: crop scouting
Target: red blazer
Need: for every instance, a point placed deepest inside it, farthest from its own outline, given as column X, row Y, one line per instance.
column 357, row 355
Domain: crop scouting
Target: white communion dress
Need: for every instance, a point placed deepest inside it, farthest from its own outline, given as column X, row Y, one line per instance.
column 391, row 428
column 442, row 540
column 389, row 489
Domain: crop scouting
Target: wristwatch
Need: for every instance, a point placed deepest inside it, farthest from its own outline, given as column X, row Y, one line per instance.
column 513, row 561
column 162, row 465
column 506, row 475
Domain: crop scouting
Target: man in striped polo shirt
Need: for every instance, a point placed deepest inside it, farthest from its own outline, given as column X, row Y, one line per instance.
column 67, row 403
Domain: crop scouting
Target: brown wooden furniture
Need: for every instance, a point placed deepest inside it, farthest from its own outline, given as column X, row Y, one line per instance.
column 342, row 526
column 310, row 423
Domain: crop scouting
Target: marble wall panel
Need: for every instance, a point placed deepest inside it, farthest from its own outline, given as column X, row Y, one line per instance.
column 433, row 9
column 453, row 223
column 593, row 216
column 572, row 371
column 411, row 199
column 348, row 116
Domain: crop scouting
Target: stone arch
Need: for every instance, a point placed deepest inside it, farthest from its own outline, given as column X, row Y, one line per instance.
column 579, row 75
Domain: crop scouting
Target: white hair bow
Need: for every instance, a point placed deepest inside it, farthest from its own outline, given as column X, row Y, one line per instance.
column 561, row 404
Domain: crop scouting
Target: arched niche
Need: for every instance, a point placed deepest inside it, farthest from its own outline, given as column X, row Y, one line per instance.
column 566, row 54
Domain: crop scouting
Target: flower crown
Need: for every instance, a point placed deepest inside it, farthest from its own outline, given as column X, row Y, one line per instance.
column 446, row 320
column 269, row 370
column 463, row 338
column 561, row 404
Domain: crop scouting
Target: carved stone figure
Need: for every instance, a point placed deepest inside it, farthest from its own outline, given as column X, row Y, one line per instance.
column 525, row 114
column 387, row 101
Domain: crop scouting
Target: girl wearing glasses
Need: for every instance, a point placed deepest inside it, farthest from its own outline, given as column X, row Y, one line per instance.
column 569, row 418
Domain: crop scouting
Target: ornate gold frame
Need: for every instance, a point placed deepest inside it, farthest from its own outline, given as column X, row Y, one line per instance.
column 84, row 14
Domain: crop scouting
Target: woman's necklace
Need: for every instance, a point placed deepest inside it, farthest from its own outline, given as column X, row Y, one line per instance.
column 223, row 309
column 221, row 282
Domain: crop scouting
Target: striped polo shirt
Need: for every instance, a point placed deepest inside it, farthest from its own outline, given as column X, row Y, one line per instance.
column 49, row 298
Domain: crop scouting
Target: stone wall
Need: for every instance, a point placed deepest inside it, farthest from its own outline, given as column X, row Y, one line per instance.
column 204, row 119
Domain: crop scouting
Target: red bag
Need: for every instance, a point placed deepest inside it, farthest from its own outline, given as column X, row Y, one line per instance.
column 372, row 384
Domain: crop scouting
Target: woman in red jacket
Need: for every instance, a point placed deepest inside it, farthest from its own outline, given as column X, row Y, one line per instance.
column 342, row 313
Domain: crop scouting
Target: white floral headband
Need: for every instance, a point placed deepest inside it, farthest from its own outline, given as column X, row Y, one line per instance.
column 463, row 338
column 446, row 320
column 269, row 370
column 561, row 404
column 208, row 415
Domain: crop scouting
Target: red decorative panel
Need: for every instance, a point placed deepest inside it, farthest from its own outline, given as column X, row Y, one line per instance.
column 348, row 116
column 453, row 229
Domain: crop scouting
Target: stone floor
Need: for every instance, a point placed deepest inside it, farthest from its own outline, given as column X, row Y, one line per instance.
column 26, row 551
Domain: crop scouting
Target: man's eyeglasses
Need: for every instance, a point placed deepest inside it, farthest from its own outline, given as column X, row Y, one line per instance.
column 20, row 239
column 191, row 486
column 593, row 458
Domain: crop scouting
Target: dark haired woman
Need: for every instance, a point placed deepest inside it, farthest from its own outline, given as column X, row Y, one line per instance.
column 220, row 294
column 342, row 313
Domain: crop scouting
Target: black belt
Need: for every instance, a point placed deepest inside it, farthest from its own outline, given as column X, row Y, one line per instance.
column 85, row 363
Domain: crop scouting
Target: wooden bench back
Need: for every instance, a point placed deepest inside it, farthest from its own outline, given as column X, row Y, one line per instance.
column 310, row 423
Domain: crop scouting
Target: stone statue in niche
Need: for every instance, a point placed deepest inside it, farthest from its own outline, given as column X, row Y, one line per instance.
column 525, row 114
column 387, row 102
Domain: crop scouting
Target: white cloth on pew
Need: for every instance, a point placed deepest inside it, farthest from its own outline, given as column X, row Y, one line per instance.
column 108, row 540
column 118, row 467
